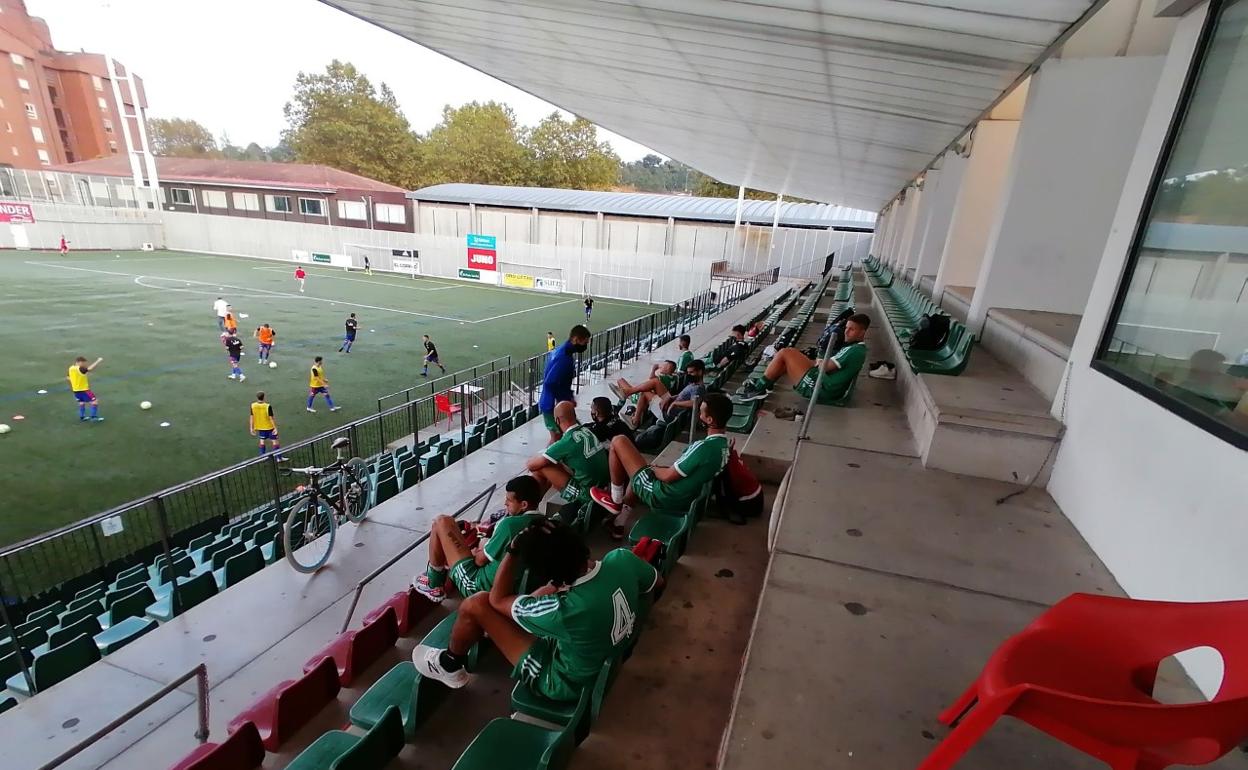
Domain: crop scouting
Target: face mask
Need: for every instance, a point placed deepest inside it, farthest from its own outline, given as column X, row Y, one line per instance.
column 577, row 348
column 693, row 377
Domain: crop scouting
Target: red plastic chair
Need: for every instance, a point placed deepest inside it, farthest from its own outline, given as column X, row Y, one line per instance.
column 444, row 406
column 280, row 712
column 1084, row 672
column 355, row 651
column 409, row 608
column 241, row 751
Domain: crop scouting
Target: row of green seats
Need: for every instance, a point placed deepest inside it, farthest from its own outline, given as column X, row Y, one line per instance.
column 906, row 305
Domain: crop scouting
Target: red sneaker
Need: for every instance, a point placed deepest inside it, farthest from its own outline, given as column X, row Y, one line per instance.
column 603, row 498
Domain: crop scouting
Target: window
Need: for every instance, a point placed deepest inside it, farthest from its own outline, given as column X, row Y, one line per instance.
column 59, row 116
column 392, row 213
column 17, row 59
column 43, row 157
column 214, row 199
column 244, row 201
column 108, row 126
column 37, row 132
column 278, row 203
column 181, row 196
column 97, row 83
column 352, row 210
column 31, row 112
column 102, row 102
column 8, row 127
column 23, row 84
column 52, row 93
column 312, row 207
column 112, row 146
column 1178, row 333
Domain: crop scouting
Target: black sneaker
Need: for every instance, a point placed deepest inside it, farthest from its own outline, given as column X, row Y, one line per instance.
column 754, row 391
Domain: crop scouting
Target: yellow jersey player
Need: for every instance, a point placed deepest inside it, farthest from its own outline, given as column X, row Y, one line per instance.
column 319, row 383
column 81, row 387
column 263, row 423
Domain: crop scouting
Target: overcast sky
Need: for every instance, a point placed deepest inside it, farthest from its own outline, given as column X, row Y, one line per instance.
column 231, row 64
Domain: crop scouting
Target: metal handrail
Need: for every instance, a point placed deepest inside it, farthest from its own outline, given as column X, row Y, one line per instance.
column 433, row 382
column 200, row 673
column 804, row 432
column 483, row 495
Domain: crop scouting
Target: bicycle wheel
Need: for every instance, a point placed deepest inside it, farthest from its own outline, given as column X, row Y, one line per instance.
column 308, row 534
column 357, row 487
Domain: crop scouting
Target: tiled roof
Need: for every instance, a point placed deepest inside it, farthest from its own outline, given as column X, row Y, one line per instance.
column 239, row 172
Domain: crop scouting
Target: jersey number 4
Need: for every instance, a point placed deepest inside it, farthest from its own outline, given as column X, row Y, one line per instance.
column 624, row 618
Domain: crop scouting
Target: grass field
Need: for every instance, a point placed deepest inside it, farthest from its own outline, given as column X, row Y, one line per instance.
column 149, row 315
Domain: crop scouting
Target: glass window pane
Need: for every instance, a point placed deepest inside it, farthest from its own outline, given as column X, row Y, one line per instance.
column 1183, row 325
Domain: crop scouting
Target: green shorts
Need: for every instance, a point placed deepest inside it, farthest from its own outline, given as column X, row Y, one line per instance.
column 469, row 578
column 574, row 492
column 548, row 418
column 806, row 385
column 535, row 668
column 647, row 488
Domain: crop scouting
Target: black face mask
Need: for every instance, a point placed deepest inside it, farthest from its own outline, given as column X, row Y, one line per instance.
column 693, row 378
column 578, row 348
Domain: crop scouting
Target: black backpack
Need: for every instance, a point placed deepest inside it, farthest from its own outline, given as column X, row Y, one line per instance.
column 932, row 332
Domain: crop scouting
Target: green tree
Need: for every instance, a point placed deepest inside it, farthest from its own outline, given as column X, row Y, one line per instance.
column 339, row 119
column 477, row 143
column 180, row 138
column 568, row 154
column 654, row 174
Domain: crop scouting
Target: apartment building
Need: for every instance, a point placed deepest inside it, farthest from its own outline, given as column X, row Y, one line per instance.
column 56, row 106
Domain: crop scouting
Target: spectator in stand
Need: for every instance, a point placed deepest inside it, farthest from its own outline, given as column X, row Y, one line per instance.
column 838, row 373
column 738, row 350
column 604, row 422
column 558, row 376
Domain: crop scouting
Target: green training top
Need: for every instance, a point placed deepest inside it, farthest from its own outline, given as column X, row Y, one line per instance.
column 584, row 454
column 849, row 361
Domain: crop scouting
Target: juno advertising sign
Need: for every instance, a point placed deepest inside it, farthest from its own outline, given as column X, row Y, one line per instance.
column 482, row 252
column 17, row 214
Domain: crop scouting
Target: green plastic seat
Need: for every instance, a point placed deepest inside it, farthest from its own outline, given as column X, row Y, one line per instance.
column 490, row 434
column 531, row 704
column 410, row 476
column 219, row 558
column 401, row 687
column 509, row 744
column 433, row 462
column 120, row 634
column 58, row 637
column 6, row 704
column 42, row 622
column 70, row 617
column 10, row 663
column 671, row 528
column 186, row 594
column 385, row 487
column 57, row 665
column 454, row 453
column 339, row 750
column 239, row 567
column 132, row 605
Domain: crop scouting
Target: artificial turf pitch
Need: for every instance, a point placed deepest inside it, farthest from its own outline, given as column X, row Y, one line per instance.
column 149, row 315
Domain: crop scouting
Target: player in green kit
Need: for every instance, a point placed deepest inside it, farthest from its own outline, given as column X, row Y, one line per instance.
column 474, row 568
column 558, row 637
column 575, row 463
column 686, row 355
column 634, row 480
column 661, row 382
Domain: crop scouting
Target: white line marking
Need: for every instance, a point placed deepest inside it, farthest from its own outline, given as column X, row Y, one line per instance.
column 266, row 292
column 526, row 310
column 383, row 282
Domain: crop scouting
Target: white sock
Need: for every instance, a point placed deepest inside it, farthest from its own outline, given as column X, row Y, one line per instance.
column 617, row 493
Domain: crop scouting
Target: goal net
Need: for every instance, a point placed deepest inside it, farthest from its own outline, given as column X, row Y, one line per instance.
column 388, row 258
column 612, row 286
column 522, row 275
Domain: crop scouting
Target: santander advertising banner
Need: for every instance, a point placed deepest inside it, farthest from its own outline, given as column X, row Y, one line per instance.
column 17, row 214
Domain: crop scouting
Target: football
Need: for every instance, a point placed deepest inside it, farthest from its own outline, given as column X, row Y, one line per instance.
column 145, row 405
column 272, row 364
column 4, row 428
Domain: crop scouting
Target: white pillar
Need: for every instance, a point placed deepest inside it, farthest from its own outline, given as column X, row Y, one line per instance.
column 740, row 205
column 914, row 203
column 901, row 210
column 979, row 200
column 930, row 181
column 775, row 224
column 942, row 200
column 1074, row 147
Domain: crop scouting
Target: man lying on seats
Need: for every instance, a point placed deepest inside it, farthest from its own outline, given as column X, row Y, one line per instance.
column 838, row 373
column 474, row 566
column 558, row 637
column 738, row 350
column 634, row 480
column 575, row 463
column 660, row 383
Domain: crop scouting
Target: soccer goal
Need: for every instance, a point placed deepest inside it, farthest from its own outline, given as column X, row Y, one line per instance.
column 618, row 286
column 523, row 275
column 387, row 258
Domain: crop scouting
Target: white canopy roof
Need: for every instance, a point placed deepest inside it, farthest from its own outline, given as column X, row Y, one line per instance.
column 842, row 101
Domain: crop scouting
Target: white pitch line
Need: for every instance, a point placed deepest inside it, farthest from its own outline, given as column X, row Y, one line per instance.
column 526, row 310
column 283, row 294
column 360, row 280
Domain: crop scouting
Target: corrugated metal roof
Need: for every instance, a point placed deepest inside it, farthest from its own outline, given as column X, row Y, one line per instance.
column 647, row 205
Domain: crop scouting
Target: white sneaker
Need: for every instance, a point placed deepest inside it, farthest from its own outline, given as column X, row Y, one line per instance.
column 334, row 408
column 232, row 377
column 615, row 388
column 428, row 665
column 310, row 409
column 882, row 372
column 421, row 584
column 242, row 377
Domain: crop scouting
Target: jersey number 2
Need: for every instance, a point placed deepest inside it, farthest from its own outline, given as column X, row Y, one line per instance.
column 624, row 618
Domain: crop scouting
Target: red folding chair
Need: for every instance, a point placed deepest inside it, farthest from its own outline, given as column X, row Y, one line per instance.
column 1084, row 672
column 443, row 403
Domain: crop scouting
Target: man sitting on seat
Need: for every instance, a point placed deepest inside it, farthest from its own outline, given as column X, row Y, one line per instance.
column 838, row 373
column 558, row 637
column 739, row 349
column 660, row 383
column 574, row 463
column 604, row 422
column 634, row 480
column 474, row 567
column 675, row 406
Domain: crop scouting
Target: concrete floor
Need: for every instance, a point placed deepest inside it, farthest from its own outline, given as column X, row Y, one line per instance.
column 259, row 634
column 889, row 586
column 1058, row 327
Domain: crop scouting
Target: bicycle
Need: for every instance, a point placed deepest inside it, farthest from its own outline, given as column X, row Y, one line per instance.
column 315, row 516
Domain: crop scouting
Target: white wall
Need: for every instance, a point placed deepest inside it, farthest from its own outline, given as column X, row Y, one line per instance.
column 979, row 198
column 1074, row 146
column 942, row 199
column 86, row 227
column 1161, row 501
column 914, row 207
